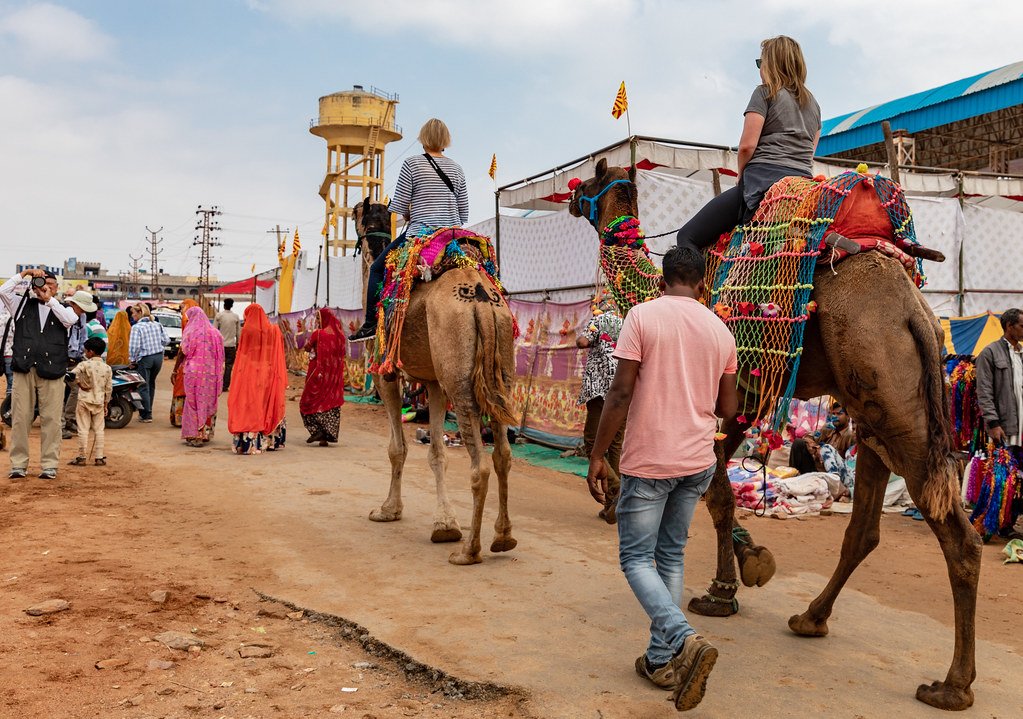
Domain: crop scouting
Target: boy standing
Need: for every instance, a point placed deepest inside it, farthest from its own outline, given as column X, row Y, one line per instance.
column 94, row 379
column 676, row 375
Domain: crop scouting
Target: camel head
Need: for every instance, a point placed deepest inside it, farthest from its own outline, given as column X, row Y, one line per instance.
column 373, row 226
column 610, row 193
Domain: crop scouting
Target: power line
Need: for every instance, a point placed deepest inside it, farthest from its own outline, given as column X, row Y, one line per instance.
column 207, row 225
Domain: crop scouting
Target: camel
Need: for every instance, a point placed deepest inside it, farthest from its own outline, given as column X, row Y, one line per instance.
column 876, row 346
column 457, row 341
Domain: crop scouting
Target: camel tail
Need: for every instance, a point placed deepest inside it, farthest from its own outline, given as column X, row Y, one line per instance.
column 940, row 491
column 490, row 377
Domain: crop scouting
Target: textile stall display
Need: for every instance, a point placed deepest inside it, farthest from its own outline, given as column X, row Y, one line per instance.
column 968, row 432
column 548, row 369
column 995, row 482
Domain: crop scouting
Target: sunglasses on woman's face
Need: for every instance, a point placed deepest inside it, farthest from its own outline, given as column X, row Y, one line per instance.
column 757, row 61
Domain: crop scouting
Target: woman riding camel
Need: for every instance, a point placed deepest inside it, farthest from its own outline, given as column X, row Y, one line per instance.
column 779, row 135
column 430, row 193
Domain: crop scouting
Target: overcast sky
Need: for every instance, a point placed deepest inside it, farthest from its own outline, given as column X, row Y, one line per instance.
column 117, row 114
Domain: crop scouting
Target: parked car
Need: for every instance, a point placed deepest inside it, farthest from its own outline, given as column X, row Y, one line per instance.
column 171, row 322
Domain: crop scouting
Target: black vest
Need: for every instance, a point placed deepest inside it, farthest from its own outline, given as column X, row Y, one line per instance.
column 44, row 348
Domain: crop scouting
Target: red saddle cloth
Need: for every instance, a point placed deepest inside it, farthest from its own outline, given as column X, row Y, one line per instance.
column 862, row 219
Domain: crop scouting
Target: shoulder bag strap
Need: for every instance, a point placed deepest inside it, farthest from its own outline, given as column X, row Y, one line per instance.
column 440, row 172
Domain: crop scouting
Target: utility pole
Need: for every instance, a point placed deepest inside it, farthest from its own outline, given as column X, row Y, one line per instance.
column 133, row 286
column 154, row 265
column 278, row 231
column 206, row 225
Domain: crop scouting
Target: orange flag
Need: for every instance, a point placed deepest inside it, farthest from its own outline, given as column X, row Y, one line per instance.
column 493, row 167
column 621, row 102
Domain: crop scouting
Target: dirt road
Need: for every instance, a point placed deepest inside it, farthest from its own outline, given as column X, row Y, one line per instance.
column 548, row 630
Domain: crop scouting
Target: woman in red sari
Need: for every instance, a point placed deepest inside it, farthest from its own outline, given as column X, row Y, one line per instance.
column 324, row 391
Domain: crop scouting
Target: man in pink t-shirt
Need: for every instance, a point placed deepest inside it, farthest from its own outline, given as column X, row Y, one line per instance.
column 675, row 377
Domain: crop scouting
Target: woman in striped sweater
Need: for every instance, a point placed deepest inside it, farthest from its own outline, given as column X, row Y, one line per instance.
column 430, row 193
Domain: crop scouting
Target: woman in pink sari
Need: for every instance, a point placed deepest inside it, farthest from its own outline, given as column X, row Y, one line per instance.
column 203, row 349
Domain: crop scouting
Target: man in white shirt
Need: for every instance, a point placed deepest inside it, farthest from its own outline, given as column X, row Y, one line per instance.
column 39, row 361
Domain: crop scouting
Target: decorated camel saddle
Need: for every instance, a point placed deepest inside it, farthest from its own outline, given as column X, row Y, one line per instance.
column 760, row 276
column 422, row 259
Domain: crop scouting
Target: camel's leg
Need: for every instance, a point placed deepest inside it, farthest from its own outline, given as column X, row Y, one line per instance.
column 469, row 426
column 390, row 393
column 861, row 536
column 503, row 540
column 445, row 524
column 961, row 546
column 756, row 563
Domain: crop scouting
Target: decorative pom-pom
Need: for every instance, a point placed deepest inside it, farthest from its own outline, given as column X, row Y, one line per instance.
column 574, row 183
column 862, row 168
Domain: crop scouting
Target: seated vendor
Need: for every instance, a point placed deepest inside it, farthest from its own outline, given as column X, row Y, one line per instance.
column 839, row 431
column 430, row 193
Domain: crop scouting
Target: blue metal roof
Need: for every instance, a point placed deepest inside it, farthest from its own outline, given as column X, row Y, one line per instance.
column 959, row 100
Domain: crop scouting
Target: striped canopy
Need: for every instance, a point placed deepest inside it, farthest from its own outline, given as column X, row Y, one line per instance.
column 969, row 335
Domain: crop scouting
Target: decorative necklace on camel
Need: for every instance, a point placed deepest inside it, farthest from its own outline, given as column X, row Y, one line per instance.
column 624, row 231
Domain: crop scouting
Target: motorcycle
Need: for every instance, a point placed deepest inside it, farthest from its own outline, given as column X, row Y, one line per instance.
column 125, row 399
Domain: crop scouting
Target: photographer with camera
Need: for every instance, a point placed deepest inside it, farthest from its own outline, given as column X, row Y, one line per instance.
column 40, row 327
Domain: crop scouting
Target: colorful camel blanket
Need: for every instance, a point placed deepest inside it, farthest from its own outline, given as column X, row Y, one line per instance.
column 761, row 276
column 421, row 259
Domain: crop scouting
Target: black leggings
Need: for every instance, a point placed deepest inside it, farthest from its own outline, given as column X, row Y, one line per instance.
column 718, row 216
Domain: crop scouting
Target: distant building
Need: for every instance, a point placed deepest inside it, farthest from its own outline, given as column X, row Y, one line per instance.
column 81, row 274
column 47, row 268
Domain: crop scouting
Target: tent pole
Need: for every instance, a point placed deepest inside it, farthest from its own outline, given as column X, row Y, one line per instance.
column 889, row 146
column 316, row 294
column 962, row 251
column 497, row 226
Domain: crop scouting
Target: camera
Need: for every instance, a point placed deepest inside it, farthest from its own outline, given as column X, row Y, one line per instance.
column 39, row 282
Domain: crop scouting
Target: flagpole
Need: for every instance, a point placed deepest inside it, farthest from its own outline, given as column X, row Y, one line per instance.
column 628, row 121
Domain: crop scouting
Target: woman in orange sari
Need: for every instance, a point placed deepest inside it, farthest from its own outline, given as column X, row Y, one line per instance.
column 324, row 391
column 255, row 402
column 178, row 373
column 118, row 335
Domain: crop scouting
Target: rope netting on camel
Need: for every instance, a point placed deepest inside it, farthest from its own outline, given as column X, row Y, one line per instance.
column 760, row 278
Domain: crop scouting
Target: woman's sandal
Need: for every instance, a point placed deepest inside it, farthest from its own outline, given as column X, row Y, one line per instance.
column 101, row 461
column 77, row 462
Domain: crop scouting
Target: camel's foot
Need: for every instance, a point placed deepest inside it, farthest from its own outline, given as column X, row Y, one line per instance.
column 944, row 696
column 385, row 515
column 445, row 533
column 756, row 565
column 465, row 557
column 503, row 544
column 805, row 626
column 719, row 601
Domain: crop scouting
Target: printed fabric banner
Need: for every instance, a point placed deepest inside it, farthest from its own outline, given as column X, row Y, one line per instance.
column 548, row 369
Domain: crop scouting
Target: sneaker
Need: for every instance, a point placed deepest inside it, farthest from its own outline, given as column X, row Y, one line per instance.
column 662, row 676
column 692, row 665
column 48, row 474
column 101, row 461
column 366, row 332
column 146, row 420
column 17, row 474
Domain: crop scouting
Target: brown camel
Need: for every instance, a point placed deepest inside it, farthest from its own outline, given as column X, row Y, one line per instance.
column 457, row 341
column 876, row 346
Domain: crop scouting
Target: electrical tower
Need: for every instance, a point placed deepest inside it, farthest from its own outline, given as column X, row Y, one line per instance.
column 133, row 282
column 154, row 265
column 206, row 226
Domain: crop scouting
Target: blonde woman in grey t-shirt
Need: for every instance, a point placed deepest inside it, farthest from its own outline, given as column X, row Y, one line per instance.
column 779, row 135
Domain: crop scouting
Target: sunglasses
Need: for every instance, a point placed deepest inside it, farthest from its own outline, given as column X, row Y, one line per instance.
column 757, row 61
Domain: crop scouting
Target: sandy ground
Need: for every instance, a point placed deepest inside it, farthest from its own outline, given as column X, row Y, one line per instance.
column 548, row 630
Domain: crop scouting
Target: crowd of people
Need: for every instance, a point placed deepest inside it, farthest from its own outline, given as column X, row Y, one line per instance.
column 59, row 359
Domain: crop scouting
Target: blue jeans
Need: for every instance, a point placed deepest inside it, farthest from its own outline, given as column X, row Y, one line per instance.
column 149, row 367
column 376, row 279
column 653, row 527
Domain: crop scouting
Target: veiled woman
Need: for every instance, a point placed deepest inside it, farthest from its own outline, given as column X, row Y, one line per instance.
column 255, row 403
column 118, row 335
column 324, row 391
column 177, row 376
column 202, row 374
